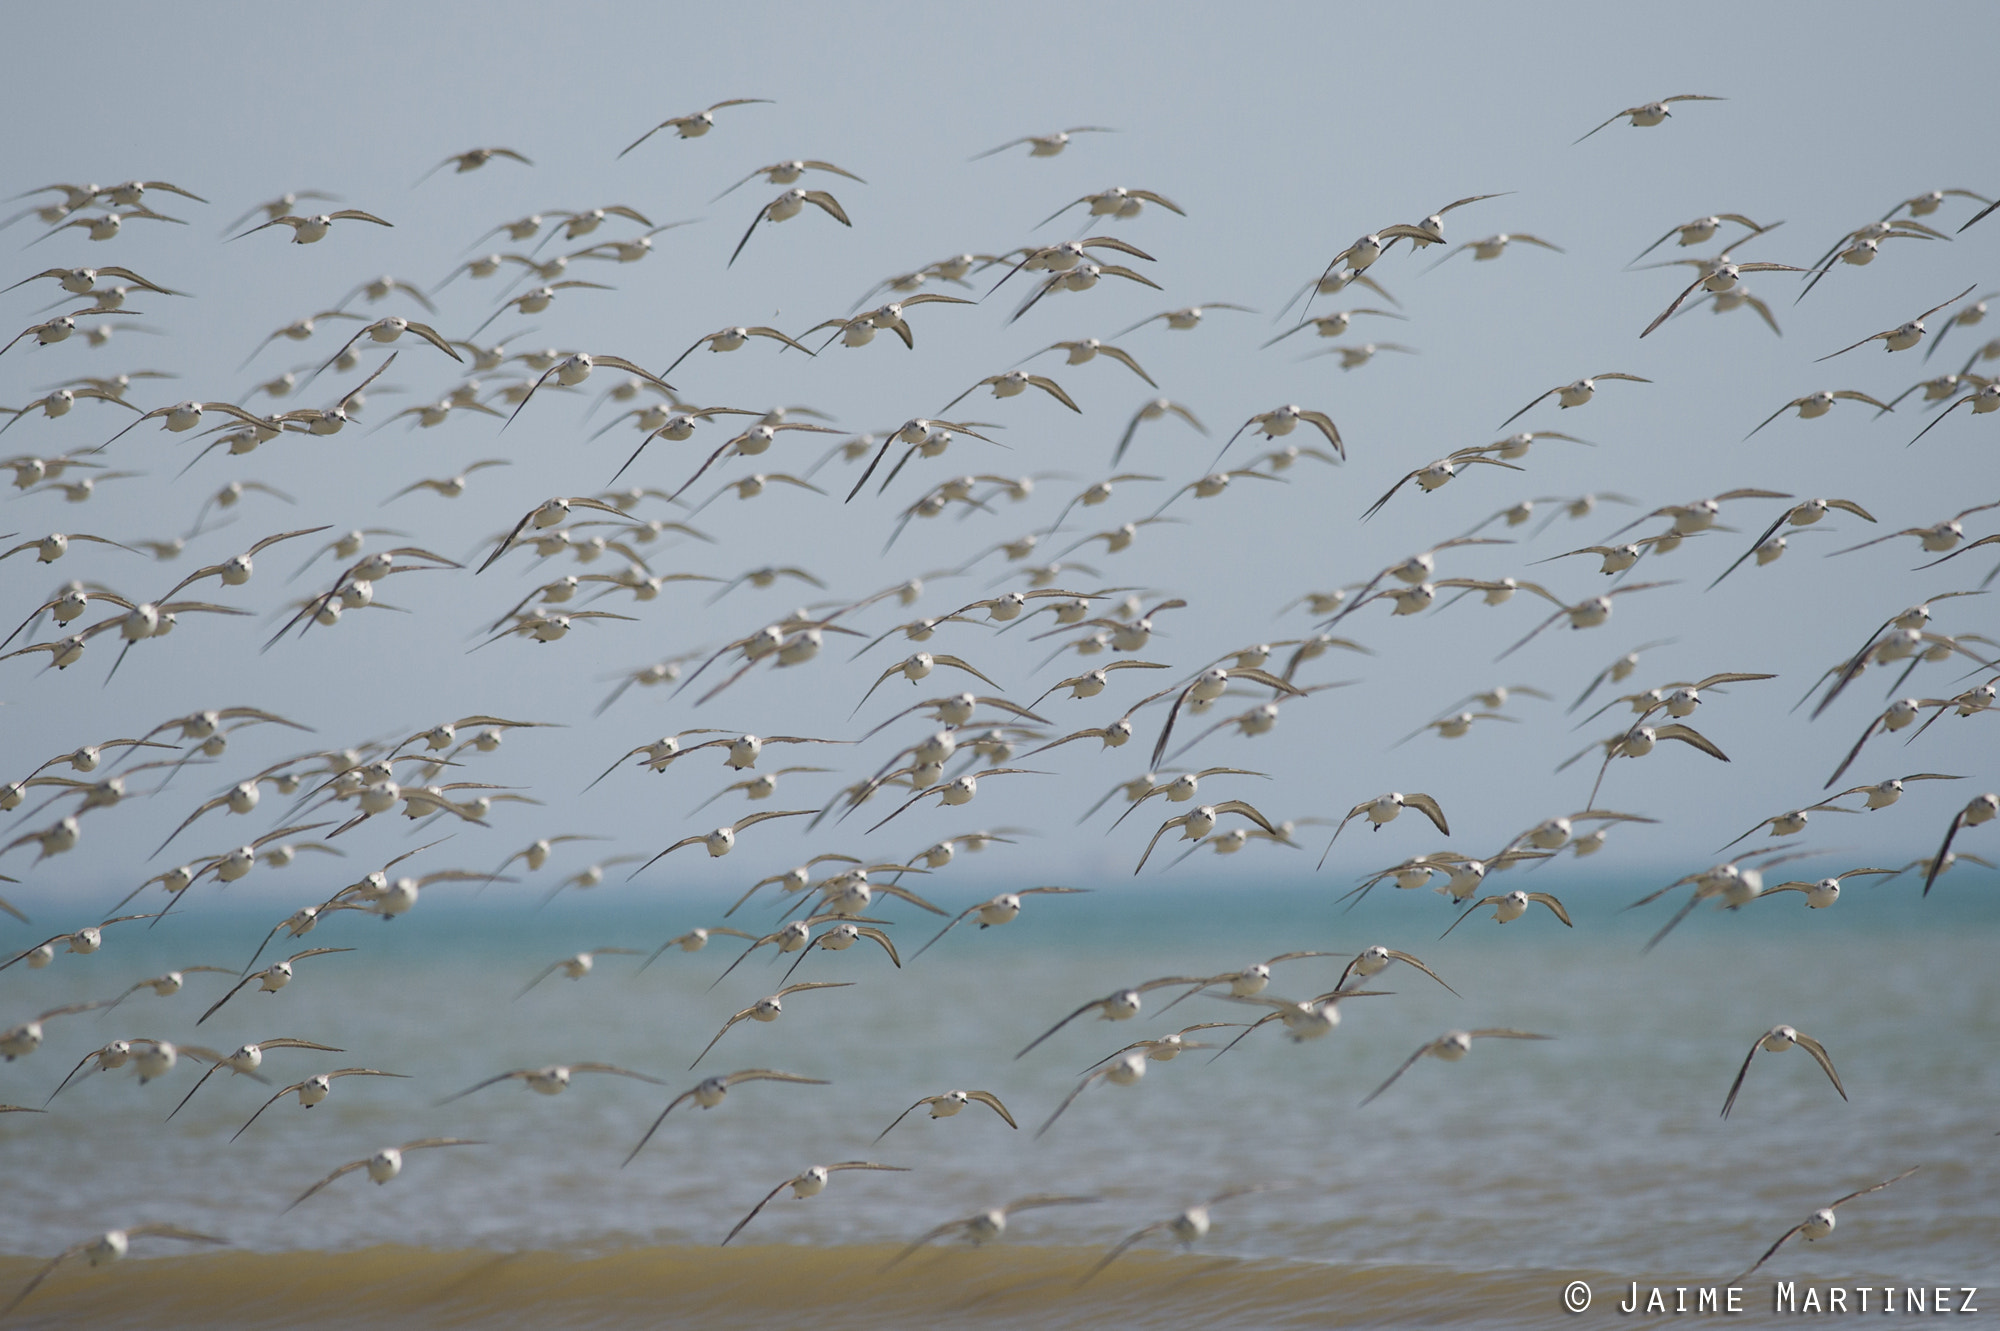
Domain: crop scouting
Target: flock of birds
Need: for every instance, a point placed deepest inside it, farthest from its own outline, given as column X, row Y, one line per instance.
column 937, row 752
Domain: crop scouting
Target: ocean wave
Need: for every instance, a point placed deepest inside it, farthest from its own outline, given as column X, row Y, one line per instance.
column 387, row 1288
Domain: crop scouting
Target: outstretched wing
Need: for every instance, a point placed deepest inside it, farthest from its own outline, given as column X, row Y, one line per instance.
column 1408, row 1063
column 992, row 1102
column 1093, row 1003
column 753, row 1212
column 480, row 1086
column 1818, row 1051
column 347, row 1168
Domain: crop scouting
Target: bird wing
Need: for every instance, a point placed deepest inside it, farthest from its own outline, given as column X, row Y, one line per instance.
column 164, row 1231
column 813, row 984
column 1779, row 412
column 1668, row 313
column 1844, row 350
column 760, row 1205
column 480, row 1086
column 956, row 920
column 1171, row 980
column 678, row 845
column 746, row 239
column 507, row 541
column 1656, row 244
column 233, row 989
column 1954, row 300
column 1483, row 901
column 936, row 1233
column 1768, row 1254
column 1347, row 971
column 766, row 1074
column 763, row 331
column 1389, row 494
column 740, row 1016
column 44, row 1273
column 1690, row 736
column 1069, row 1100
column 1322, row 422
column 1561, row 914
column 830, row 206
column 1538, row 401
column 1776, row 523
column 295, row 1086
column 1408, row 1063
column 1504, row 1033
column 1243, row 807
column 1818, row 1051
column 1877, row 1187
column 1047, row 286
column 753, row 819
column 1730, row 677
column 992, row 1102
column 430, row 335
column 1429, row 808
column 1054, row 390
column 1180, row 821
column 1166, row 731
column 349, row 1168
column 1938, row 861
column 1093, row 1003
column 1352, row 814
column 1763, row 312
column 78, row 1068
column 945, row 659
column 1759, row 827
column 1407, row 959
column 1125, row 358
column 870, row 932
column 1120, row 270
column 671, row 1106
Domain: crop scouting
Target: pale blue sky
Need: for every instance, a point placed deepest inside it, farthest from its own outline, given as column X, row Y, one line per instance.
column 1283, row 131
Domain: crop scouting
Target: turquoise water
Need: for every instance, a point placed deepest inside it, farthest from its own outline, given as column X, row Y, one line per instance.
column 1598, row 1153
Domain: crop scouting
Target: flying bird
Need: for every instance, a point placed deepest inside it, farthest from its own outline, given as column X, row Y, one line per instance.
column 809, row 1184
column 987, row 1225
column 713, row 1091
column 694, row 124
column 1776, row 1041
column 1450, row 1048
column 1817, row 1225
column 1648, row 114
column 949, row 1104
column 384, row 1165
column 105, row 1248
column 788, row 205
